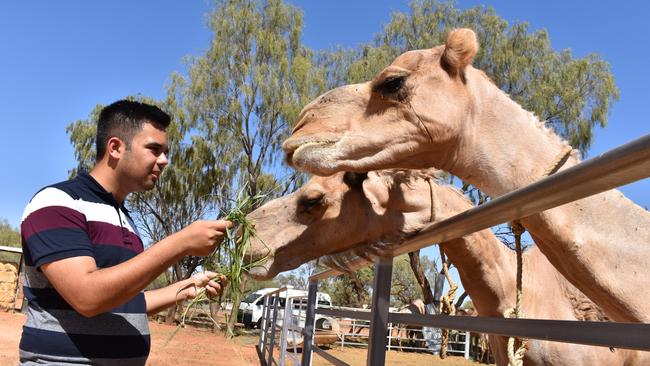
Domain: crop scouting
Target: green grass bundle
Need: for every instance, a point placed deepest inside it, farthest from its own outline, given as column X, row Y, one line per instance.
column 230, row 259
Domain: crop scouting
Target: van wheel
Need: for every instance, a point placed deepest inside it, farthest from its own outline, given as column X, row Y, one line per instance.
column 258, row 325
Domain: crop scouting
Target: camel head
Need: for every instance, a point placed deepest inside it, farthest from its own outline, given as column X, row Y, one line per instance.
column 409, row 116
column 336, row 213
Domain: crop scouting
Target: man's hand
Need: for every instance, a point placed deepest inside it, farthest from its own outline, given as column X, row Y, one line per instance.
column 202, row 237
column 212, row 282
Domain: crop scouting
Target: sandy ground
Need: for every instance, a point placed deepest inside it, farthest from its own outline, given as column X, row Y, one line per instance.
column 197, row 347
column 189, row 346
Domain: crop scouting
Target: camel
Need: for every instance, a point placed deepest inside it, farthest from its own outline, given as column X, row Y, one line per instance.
column 431, row 108
column 348, row 212
column 410, row 332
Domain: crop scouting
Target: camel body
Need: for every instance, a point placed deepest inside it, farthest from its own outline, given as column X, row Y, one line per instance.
column 347, row 214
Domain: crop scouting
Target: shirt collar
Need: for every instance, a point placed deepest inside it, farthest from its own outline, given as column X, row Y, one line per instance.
column 97, row 188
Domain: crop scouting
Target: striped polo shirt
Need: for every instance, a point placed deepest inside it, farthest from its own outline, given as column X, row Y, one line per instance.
column 79, row 218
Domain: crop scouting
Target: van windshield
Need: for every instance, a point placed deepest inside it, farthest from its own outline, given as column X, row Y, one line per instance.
column 251, row 298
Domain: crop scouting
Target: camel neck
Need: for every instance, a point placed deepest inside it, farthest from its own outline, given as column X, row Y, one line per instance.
column 504, row 147
column 486, row 267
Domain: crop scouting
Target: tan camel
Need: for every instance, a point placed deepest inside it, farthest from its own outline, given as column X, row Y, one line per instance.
column 408, row 332
column 431, row 108
column 346, row 212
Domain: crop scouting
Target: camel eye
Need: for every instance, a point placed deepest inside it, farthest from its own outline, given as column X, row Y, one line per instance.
column 392, row 87
column 307, row 203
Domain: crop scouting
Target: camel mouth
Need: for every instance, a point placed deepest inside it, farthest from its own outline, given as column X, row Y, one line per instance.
column 296, row 154
column 313, row 145
column 295, row 149
column 291, row 146
column 262, row 271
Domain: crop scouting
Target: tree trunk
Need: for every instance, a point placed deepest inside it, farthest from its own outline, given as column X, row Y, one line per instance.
column 461, row 299
column 414, row 258
column 214, row 313
column 236, row 300
column 360, row 290
column 171, row 312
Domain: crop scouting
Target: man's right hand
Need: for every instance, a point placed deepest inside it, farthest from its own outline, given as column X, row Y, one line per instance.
column 201, row 237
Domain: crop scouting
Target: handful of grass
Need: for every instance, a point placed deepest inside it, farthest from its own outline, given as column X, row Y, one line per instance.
column 230, row 257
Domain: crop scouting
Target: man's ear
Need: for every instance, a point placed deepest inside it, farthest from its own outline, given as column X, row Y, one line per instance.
column 460, row 49
column 115, row 147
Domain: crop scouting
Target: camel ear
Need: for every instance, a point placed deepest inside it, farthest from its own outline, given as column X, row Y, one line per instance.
column 460, row 49
column 376, row 192
column 354, row 180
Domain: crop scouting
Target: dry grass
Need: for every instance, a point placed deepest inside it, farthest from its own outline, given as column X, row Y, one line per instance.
column 357, row 357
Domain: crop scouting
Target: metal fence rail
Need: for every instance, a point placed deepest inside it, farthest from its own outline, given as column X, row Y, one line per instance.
column 623, row 165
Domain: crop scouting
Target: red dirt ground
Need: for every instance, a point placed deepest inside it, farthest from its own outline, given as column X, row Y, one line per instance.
column 188, row 347
column 196, row 347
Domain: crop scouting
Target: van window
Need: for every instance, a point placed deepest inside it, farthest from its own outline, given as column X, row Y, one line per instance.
column 282, row 302
column 251, row 298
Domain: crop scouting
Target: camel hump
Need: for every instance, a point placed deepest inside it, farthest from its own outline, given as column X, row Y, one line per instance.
column 460, row 49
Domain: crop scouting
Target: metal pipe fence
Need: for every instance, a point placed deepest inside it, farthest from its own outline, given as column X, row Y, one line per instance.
column 287, row 325
column 623, row 165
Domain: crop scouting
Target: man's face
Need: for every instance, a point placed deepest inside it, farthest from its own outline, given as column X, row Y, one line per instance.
column 144, row 159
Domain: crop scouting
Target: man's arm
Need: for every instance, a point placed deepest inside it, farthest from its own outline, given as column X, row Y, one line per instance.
column 91, row 291
column 163, row 298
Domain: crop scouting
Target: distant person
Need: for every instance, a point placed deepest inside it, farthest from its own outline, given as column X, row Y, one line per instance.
column 85, row 264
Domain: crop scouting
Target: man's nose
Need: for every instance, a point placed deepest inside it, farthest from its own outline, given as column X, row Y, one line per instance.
column 163, row 160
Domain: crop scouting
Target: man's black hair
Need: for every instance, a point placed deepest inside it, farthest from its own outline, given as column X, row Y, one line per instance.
column 124, row 119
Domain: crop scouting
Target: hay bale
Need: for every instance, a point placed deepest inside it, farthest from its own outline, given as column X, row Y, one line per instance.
column 9, row 267
column 8, row 277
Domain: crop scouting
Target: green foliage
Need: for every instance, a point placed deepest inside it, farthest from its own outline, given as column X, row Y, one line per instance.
column 350, row 290
column 230, row 257
column 255, row 77
column 9, row 237
column 354, row 290
column 404, row 287
column 239, row 96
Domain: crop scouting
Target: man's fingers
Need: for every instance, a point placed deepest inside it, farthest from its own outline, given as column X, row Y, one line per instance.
column 222, row 225
column 212, row 291
column 210, row 274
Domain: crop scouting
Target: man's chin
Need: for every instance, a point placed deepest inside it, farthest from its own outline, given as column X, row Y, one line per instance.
column 147, row 185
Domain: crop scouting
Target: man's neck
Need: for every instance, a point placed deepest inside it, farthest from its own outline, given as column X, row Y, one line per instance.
column 105, row 176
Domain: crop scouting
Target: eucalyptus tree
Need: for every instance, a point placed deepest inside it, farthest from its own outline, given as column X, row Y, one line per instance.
column 240, row 96
column 9, row 237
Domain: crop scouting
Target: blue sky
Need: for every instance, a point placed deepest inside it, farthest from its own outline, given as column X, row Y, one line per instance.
column 59, row 59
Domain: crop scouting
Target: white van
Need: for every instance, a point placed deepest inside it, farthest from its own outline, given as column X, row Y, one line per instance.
column 250, row 309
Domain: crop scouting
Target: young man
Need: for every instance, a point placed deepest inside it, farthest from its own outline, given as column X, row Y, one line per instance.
column 84, row 260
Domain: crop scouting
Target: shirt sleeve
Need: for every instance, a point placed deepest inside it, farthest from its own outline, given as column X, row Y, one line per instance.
column 53, row 229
